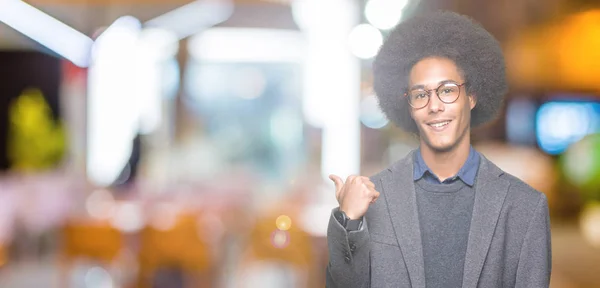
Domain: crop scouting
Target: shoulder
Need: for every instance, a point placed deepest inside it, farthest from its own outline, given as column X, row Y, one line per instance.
column 404, row 163
column 522, row 203
column 520, row 193
column 380, row 175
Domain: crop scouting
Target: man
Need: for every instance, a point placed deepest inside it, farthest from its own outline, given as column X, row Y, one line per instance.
column 444, row 216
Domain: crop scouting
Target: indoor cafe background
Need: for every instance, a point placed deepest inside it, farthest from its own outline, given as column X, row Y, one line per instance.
column 149, row 143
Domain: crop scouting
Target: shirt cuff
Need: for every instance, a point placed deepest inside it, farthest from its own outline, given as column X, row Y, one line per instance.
column 354, row 225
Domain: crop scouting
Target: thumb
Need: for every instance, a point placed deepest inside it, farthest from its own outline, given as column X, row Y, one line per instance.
column 338, row 183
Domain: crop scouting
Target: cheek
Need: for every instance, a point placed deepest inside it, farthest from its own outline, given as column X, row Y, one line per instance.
column 463, row 116
column 466, row 119
column 414, row 115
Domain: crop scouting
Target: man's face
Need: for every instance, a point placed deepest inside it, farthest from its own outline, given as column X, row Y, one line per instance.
column 441, row 125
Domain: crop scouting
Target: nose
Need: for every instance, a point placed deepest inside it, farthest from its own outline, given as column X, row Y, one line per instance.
column 435, row 104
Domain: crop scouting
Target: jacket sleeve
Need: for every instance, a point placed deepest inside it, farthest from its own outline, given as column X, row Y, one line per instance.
column 349, row 256
column 535, row 260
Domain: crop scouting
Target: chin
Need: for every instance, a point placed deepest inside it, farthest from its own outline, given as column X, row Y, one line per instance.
column 439, row 144
column 441, row 147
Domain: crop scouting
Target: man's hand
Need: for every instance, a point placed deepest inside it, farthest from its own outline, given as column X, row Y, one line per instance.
column 355, row 195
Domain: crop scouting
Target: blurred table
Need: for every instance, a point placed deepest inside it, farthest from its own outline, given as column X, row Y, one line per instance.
column 575, row 263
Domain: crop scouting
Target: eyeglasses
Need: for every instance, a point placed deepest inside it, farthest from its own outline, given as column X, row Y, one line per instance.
column 446, row 92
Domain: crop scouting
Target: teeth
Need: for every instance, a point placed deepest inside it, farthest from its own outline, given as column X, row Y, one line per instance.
column 441, row 124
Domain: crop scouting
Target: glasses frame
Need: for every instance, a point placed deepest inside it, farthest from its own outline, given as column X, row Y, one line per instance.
column 428, row 92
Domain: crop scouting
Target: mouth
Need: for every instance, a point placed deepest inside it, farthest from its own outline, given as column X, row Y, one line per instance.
column 439, row 125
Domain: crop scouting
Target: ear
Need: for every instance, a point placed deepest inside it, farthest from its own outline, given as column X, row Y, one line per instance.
column 472, row 101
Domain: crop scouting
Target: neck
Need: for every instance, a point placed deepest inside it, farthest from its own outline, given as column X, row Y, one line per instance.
column 445, row 164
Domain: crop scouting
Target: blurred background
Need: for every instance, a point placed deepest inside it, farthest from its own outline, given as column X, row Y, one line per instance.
column 149, row 143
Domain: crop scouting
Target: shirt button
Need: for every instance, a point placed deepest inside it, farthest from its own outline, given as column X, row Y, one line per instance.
column 347, row 259
column 352, row 247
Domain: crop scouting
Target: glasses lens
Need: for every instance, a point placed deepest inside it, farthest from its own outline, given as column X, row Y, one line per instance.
column 448, row 93
column 418, row 98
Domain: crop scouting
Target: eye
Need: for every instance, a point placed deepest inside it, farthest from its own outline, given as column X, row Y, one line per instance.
column 418, row 94
column 448, row 90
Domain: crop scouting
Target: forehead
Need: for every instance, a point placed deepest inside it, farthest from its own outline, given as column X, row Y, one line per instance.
column 430, row 71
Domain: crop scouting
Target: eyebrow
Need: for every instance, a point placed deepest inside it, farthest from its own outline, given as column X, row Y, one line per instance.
column 420, row 86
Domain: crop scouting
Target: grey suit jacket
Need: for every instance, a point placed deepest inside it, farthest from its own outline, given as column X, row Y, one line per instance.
column 508, row 246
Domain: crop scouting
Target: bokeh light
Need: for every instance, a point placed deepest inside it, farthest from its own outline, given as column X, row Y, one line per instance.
column 364, row 41
column 283, row 222
column 100, row 204
column 280, row 239
column 581, row 163
column 97, row 277
column 384, row 14
column 371, row 114
column 559, row 124
column 164, row 216
column 128, row 217
column 590, row 223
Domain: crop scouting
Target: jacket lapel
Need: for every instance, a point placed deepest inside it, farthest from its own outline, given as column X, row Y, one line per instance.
column 399, row 192
column 490, row 191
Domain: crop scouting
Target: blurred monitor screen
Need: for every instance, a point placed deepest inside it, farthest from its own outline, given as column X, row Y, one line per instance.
column 562, row 123
column 520, row 121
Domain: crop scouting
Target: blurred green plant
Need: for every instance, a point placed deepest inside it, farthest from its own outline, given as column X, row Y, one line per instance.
column 581, row 166
column 35, row 140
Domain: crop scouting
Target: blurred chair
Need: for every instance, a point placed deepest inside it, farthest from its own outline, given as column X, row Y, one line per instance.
column 267, row 245
column 181, row 247
column 89, row 240
column 3, row 255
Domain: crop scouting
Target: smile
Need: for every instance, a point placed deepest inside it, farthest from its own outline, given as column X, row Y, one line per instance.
column 439, row 126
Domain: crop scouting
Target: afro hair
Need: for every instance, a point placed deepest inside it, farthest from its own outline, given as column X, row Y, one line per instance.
column 475, row 51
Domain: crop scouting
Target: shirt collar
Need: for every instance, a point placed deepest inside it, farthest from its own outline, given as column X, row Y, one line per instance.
column 467, row 172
